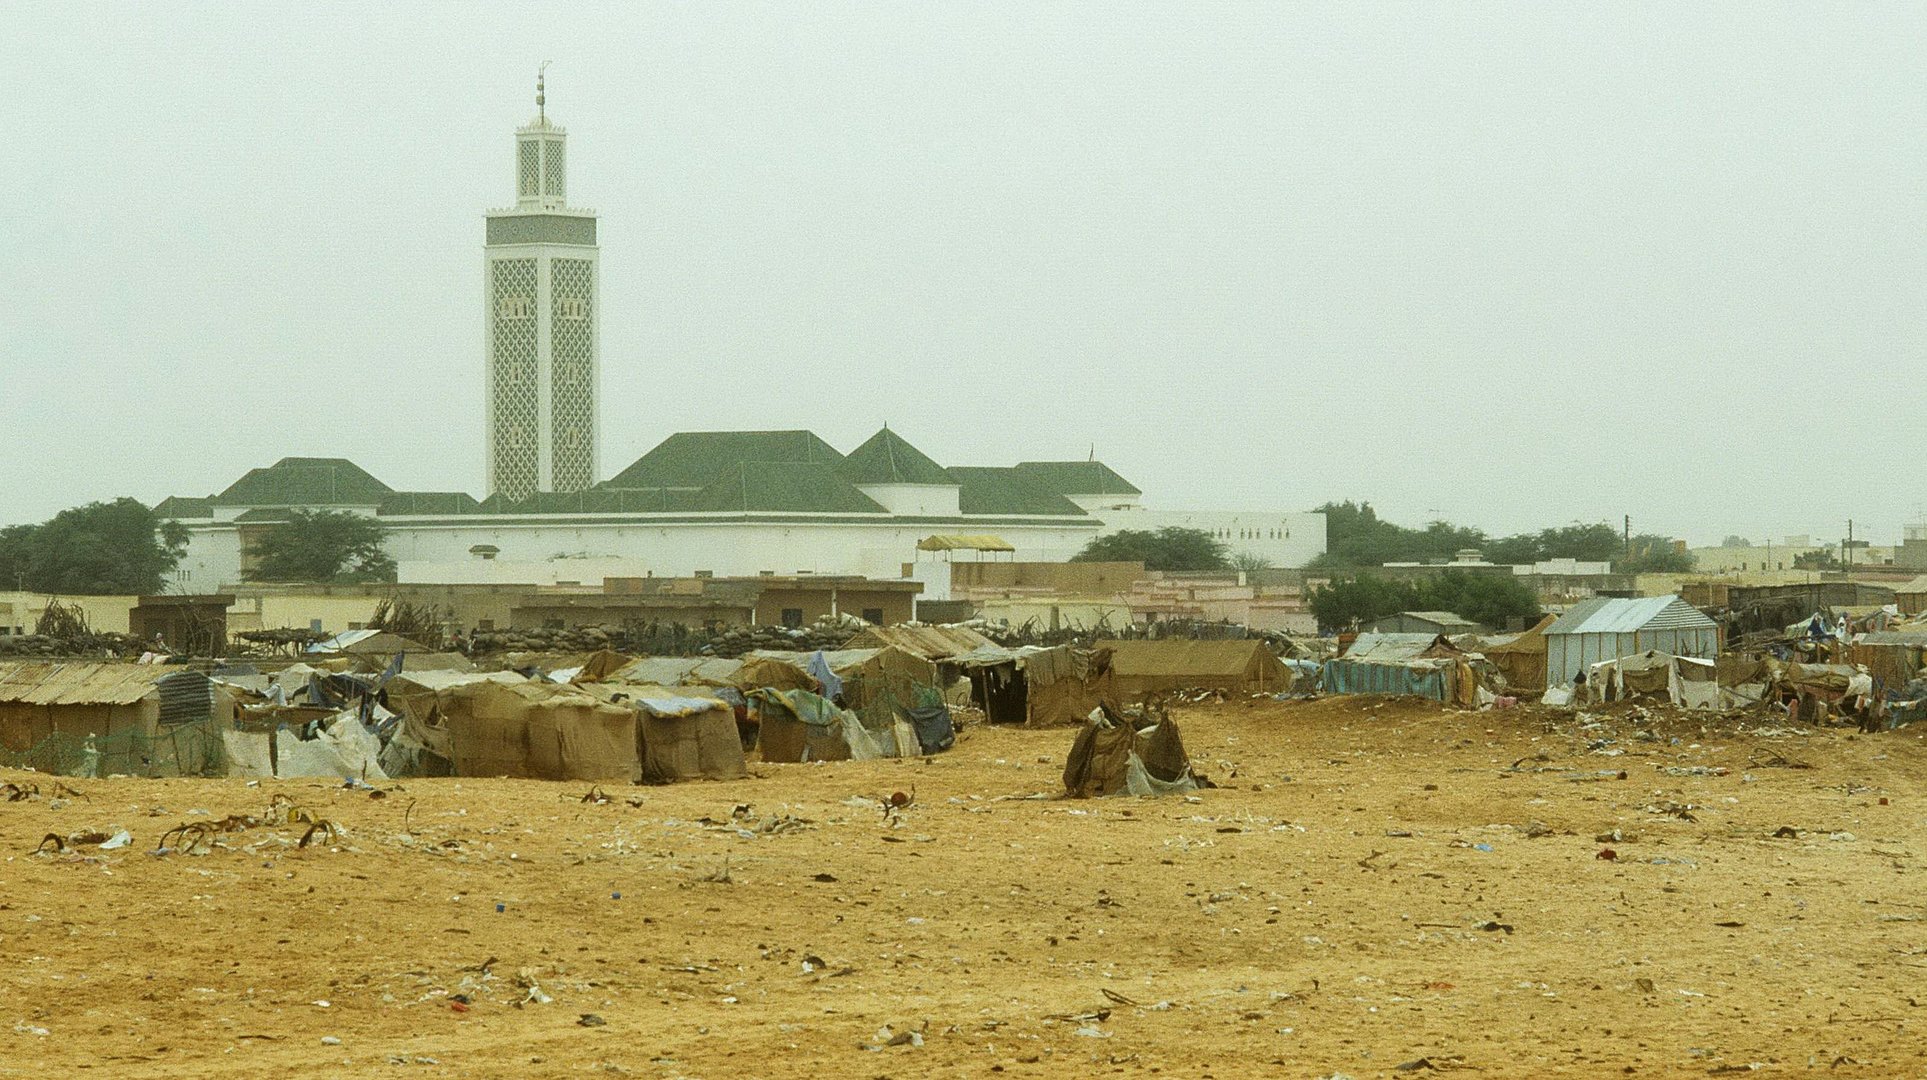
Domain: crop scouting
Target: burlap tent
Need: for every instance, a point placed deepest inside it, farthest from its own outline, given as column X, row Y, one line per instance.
column 798, row 725
column 676, row 671
column 1039, row 687
column 1111, row 757
column 771, row 673
column 541, row 731
column 1523, row 659
column 1144, row 668
column 684, row 734
column 427, row 702
column 873, row 679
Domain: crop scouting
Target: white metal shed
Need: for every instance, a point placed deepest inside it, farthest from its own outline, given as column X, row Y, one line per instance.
column 1607, row 628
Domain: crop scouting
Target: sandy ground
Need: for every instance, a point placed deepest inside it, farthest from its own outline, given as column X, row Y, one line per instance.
column 1374, row 884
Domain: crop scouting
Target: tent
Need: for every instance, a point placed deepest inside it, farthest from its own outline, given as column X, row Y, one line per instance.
column 683, row 736
column 930, row 642
column 798, row 725
column 871, row 678
column 1144, row 668
column 1038, row 686
column 1523, row 659
column 541, row 731
column 1111, row 756
column 676, row 671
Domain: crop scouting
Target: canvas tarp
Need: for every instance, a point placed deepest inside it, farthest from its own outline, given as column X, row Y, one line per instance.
column 1522, row 660
column 540, row 731
column 677, row 671
column 1143, row 668
column 1434, row 679
column 771, row 673
column 928, row 642
column 1111, row 757
column 684, row 735
column 871, row 677
column 798, row 725
column 1686, row 681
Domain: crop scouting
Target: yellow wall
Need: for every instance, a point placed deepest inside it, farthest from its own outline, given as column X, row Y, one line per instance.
column 19, row 611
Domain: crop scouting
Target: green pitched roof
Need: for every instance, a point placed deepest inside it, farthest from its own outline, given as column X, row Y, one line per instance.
column 602, row 501
column 306, row 482
column 428, row 502
column 176, row 506
column 695, row 459
column 801, row 487
column 1077, row 477
column 1008, row 491
column 887, row 459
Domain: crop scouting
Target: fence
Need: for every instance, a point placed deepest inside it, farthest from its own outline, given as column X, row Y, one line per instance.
column 193, row 749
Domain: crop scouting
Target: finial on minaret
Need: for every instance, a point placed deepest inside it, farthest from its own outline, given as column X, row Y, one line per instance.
column 541, row 109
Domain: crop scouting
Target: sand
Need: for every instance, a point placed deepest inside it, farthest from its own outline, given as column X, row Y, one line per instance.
column 1375, row 884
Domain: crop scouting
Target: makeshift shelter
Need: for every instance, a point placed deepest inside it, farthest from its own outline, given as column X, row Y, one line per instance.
column 1687, row 681
column 676, row 671
column 1111, row 756
column 1607, row 628
column 101, row 719
column 1039, row 687
column 427, row 701
column 1404, row 665
column 1144, row 668
column 798, row 725
column 871, row 679
column 1892, row 657
column 1424, row 622
column 542, row 731
column 682, row 736
column 1522, row 660
column 932, row 643
column 369, row 642
column 38, row 700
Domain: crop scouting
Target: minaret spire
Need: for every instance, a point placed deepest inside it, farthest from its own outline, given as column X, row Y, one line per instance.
column 541, row 109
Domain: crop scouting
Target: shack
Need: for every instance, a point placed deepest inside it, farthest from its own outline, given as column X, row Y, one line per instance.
column 1522, row 661
column 1424, row 622
column 1143, row 668
column 1607, row 628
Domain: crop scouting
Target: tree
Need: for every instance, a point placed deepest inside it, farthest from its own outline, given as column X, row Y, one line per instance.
column 1343, row 605
column 1249, row 563
column 1652, row 554
column 1485, row 598
column 1818, row 559
column 1169, row 548
column 324, row 547
column 102, row 548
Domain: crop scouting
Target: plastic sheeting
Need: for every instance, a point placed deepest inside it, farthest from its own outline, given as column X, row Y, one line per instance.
column 344, row 750
column 1419, row 679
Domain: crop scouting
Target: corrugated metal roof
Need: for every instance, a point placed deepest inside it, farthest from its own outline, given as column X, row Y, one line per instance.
column 78, row 684
column 1389, row 646
column 929, row 642
column 1617, row 615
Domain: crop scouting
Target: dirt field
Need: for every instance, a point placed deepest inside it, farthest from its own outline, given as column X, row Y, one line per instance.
column 1375, row 884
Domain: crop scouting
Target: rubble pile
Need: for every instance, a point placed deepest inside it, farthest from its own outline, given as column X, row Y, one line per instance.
column 94, row 646
column 673, row 639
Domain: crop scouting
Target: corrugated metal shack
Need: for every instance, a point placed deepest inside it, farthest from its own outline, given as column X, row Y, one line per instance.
column 1607, row 628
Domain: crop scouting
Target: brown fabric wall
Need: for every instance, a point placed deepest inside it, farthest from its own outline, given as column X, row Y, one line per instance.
column 704, row 746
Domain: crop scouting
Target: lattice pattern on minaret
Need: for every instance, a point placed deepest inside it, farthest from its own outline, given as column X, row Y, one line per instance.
column 552, row 171
column 572, row 374
column 528, row 169
column 513, row 382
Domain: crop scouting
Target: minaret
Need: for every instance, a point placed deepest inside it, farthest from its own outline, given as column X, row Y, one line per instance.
column 542, row 339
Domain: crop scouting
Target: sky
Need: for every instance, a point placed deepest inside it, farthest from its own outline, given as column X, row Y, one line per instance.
column 1512, row 265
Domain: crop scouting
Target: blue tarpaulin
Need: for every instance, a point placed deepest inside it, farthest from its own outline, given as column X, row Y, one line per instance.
column 1343, row 676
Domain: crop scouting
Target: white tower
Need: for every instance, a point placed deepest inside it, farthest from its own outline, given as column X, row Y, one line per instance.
column 542, row 339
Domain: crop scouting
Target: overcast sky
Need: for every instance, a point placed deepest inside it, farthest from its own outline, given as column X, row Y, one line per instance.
column 1513, row 265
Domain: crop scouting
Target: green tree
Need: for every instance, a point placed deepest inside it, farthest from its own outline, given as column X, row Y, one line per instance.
column 1344, row 605
column 1818, row 559
column 323, row 546
column 1485, row 598
column 1248, row 562
column 102, row 548
column 1355, row 536
column 1169, row 548
column 1652, row 554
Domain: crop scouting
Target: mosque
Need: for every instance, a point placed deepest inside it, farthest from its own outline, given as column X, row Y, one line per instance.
column 701, row 503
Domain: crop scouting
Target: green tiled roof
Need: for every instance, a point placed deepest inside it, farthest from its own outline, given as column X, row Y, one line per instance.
column 599, row 501
column 428, row 502
column 695, row 459
column 800, row 487
column 887, row 459
column 262, row 514
column 306, row 482
column 176, row 506
column 1008, row 491
column 1077, row 477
